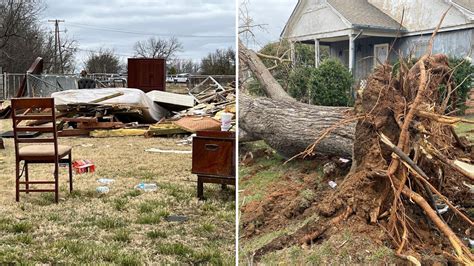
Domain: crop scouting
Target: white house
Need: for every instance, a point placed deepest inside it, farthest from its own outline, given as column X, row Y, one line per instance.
column 360, row 32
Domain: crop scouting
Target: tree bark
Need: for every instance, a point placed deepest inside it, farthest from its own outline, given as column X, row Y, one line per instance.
column 286, row 125
column 271, row 87
column 290, row 127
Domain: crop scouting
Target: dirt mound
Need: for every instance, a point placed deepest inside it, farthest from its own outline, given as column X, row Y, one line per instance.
column 285, row 201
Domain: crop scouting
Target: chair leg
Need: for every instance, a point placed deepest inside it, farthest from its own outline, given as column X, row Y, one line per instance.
column 56, row 182
column 70, row 172
column 27, row 186
column 17, row 180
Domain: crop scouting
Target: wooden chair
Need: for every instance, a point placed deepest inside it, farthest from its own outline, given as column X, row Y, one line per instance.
column 40, row 114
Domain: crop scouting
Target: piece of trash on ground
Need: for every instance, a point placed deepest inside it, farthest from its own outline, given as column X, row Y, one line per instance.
column 186, row 141
column 332, row 184
column 147, row 187
column 167, row 151
column 176, row 218
column 442, row 208
column 344, row 160
column 329, row 168
column 105, row 181
column 87, row 145
column 83, row 166
column 102, row 190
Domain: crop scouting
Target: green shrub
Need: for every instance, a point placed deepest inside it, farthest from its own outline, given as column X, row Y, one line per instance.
column 299, row 83
column 330, row 84
column 462, row 77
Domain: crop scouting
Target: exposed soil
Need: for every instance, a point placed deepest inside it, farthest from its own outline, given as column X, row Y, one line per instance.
column 364, row 200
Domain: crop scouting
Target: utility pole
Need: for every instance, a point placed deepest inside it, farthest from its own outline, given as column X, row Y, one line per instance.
column 57, row 44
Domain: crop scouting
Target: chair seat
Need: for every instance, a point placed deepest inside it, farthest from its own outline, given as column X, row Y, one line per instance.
column 43, row 150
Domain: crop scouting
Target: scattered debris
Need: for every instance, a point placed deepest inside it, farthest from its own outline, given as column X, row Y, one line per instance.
column 329, row 169
column 102, row 189
column 158, row 150
column 146, row 187
column 344, row 160
column 194, row 124
column 83, row 166
column 186, row 141
column 171, row 101
column 105, row 181
column 123, row 132
column 332, row 184
column 164, row 129
column 88, row 145
column 176, row 218
column 226, row 119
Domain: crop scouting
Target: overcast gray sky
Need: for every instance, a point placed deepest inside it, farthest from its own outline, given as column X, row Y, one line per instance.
column 118, row 24
column 273, row 13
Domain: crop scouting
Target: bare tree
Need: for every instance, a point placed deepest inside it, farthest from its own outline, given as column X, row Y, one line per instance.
column 185, row 66
column 22, row 39
column 220, row 62
column 103, row 61
column 158, row 48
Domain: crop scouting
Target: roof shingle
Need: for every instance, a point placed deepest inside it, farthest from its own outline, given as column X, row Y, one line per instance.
column 362, row 13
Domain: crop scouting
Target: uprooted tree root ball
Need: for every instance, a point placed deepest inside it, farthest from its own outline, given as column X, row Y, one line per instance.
column 400, row 187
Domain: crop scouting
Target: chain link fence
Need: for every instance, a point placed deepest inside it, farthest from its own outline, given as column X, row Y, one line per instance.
column 44, row 85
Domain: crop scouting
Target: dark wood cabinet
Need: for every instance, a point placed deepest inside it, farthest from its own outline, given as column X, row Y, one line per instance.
column 213, row 158
column 147, row 74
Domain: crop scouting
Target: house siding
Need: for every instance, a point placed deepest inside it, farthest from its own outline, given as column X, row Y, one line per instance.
column 454, row 43
column 457, row 43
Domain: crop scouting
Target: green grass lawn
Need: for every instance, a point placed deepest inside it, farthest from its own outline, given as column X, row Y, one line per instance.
column 125, row 226
column 465, row 129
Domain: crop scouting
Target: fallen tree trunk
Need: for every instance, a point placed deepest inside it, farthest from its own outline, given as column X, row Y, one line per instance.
column 269, row 84
column 290, row 127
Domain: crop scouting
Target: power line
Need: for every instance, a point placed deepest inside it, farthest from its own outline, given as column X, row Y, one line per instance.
column 85, row 26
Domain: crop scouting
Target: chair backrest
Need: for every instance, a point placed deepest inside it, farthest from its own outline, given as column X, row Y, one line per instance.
column 41, row 116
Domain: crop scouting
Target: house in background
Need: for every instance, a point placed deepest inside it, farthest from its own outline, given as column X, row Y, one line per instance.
column 360, row 32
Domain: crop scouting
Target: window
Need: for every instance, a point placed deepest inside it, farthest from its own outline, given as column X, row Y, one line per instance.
column 380, row 53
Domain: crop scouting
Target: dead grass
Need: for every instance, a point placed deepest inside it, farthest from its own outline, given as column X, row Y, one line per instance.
column 125, row 226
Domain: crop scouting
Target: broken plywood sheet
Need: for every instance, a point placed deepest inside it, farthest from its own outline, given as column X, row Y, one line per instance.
column 167, row 98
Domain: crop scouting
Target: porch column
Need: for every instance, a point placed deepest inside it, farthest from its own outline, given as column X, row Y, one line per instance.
column 317, row 56
column 292, row 54
column 351, row 53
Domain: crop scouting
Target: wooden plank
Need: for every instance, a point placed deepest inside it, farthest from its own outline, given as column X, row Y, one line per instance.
column 163, row 129
column 73, row 132
column 100, row 125
column 123, row 132
column 108, row 97
column 80, row 119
